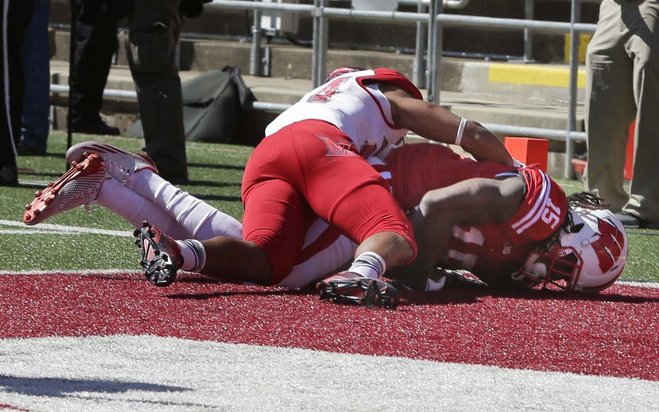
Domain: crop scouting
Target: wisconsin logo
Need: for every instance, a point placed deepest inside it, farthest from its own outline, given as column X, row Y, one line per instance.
column 609, row 245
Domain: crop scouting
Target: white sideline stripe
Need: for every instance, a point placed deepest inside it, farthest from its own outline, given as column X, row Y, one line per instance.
column 132, row 271
column 34, row 183
column 84, row 272
column 50, row 228
column 146, row 373
column 653, row 285
column 28, row 232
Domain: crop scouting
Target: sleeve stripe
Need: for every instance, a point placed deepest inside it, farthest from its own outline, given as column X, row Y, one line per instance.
column 536, row 211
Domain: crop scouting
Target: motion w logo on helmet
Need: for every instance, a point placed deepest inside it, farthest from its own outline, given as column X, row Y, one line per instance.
column 609, row 245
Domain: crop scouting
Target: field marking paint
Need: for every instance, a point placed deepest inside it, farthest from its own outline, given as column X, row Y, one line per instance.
column 122, row 372
column 109, row 272
column 28, row 232
column 653, row 285
column 83, row 272
column 50, row 228
column 46, row 228
column 538, row 76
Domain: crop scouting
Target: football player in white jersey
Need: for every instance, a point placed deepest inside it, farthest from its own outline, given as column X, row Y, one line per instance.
column 312, row 163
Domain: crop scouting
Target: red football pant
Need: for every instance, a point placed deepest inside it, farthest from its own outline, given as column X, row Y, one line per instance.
column 306, row 170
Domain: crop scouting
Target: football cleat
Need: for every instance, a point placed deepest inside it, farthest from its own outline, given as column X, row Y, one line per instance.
column 77, row 187
column 119, row 163
column 160, row 255
column 352, row 288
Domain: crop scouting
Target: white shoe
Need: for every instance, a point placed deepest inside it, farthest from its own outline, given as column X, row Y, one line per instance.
column 119, row 163
column 77, row 187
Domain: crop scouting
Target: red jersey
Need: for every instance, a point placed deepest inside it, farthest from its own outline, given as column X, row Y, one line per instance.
column 491, row 251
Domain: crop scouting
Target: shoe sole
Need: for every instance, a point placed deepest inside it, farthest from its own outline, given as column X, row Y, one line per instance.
column 44, row 199
column 373, row 296
column 632, row 222
column 158, row 269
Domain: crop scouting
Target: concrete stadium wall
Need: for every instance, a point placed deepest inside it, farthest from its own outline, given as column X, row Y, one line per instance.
column 400, row 37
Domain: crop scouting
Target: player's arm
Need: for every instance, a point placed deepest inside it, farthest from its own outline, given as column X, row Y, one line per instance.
column 471, row 202
column 434, row 122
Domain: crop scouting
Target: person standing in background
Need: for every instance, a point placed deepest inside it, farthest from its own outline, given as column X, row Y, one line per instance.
column 96, row 43
column 622, row 66
column 36, row 71
column 14, row 16
column 153, row 33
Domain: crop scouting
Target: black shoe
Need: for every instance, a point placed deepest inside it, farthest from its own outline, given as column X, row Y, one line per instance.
column 26, row 150
column 160, row 255
column 352, row 288
column 631, row 221
column 97, row 127
column 8, row 176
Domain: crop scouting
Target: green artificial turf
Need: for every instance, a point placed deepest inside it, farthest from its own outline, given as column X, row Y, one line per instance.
column 215, row 172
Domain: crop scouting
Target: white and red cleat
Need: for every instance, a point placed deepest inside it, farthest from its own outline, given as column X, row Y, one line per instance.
column 77, row 187
column 119, row 163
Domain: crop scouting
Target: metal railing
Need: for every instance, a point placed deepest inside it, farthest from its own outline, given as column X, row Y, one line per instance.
column 431, row 21
column 434, row 20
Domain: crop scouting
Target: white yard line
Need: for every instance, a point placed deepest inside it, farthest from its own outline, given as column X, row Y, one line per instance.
column 81, row 272
column 50, row 228
column 27, row 232
column 146, row 373
column 132, row 271
column 46, row 228
column 639, row 284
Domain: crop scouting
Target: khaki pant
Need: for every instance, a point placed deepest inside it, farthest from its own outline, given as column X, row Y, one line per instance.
column 623, row 83
column 154, row 29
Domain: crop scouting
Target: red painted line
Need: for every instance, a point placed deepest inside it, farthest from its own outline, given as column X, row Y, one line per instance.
column 615, row 333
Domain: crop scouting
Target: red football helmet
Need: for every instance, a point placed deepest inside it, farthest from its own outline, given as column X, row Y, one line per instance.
column 588, row 256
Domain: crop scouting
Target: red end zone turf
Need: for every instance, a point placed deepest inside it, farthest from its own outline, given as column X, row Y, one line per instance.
column 614, row 333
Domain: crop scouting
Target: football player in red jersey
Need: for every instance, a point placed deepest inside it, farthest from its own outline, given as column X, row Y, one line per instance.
column 507, row 225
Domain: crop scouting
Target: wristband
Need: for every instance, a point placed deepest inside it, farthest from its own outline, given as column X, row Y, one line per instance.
column 461, row 129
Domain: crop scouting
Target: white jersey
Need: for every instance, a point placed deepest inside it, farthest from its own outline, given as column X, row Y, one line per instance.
column 354, row 103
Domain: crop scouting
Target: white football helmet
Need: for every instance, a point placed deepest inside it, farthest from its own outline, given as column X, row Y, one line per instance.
column 588, row 255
